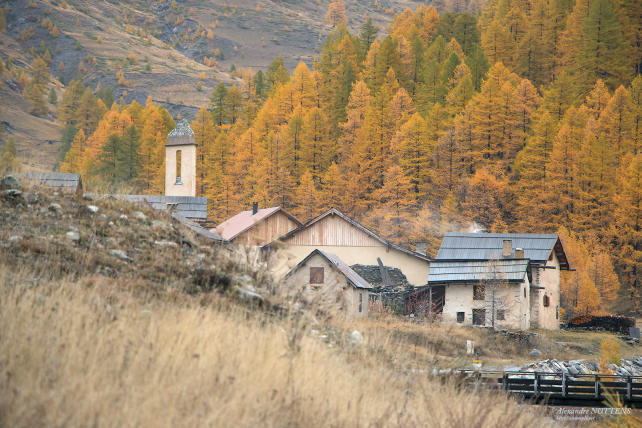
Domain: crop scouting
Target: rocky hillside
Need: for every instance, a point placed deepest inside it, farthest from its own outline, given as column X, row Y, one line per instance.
column 174, row 51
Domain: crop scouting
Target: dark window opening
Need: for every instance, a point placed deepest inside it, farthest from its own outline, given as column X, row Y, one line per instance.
column 501, row 315
column 179, row 156
column 557, row 312
column 524, row 291
column 479, row 292
column 479, row 316
column 546, row 301
column 316, row 275
column 460, row 317
column 360, row 302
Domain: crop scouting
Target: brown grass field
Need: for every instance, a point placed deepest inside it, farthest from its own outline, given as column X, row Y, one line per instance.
column 139, row 345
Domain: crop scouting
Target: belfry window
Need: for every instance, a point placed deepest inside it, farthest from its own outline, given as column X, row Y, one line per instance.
column 179, row 156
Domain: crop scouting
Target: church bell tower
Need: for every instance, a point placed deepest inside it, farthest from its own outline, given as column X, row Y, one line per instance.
column 180, row 161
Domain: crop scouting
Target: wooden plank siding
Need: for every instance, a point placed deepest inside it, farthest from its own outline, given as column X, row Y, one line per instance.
column 266, row 230
column 333, row 231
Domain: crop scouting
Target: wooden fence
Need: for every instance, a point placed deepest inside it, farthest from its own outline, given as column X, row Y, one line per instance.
column 562, row 388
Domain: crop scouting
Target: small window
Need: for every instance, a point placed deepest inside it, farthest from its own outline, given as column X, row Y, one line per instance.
column 479, row 316
column 546, row 301
column 316, row 275
column 501, row 315
column 179, row 156
column 524, row 291
column 479, row 292
column 460, row 317
column 557, row 312
column 360, row 302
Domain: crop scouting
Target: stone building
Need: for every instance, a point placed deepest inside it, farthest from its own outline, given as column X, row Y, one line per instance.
column 338, row 234
column 501, row 280
column 325, row 281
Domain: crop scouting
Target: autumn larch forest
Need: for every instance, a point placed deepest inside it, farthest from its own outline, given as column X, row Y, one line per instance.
column 524, row 117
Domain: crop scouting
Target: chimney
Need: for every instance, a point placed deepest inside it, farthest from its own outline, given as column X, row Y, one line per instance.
column 519, row 253
column 255, row 208
column 507, row 248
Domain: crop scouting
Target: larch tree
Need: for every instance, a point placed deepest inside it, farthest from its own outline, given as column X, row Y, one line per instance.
column 603, row 52
column 36, row 89
column 336, row 13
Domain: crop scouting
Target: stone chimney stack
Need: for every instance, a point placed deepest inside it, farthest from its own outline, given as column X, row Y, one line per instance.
column 180, row 161
column 507, row 248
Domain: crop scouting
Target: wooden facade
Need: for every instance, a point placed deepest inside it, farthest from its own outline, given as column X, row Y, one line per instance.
column 335, row 231
column 266, row 230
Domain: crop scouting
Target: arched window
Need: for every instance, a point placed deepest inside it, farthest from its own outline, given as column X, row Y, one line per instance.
column 546, row 300
column 179, row 156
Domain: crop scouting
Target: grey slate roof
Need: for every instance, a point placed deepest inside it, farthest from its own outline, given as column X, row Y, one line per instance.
column 372, row 274
column 477, row 270
column 198, row 229
column 487, row 246
column 194, row 207
column 55, row 179
column 182, row 129
column 181, row 135
column 353, row 278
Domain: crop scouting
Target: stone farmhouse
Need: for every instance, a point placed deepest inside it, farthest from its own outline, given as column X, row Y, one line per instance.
column 484, row 279
column 499, row 280
column 325, row 280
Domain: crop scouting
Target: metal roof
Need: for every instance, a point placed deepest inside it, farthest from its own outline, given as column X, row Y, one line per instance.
column 194, row 207
column 55, row 179
column 487, row 246
column 234, row 226
column 477, row 270
column 353, row 278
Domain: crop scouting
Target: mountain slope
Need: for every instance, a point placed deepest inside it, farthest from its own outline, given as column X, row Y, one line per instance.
column 175, row 52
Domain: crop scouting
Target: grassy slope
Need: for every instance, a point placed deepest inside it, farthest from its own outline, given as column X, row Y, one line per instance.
column 247, row 38
column 88, row 338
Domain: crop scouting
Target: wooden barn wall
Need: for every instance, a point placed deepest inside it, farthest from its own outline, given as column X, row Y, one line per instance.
column 266, row 231
column 335, row 231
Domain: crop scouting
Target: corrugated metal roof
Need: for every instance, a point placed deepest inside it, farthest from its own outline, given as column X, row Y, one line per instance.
column 54, row 179
column 234, row 226
column 487, row 246
column 194, row 207
column 477, row 270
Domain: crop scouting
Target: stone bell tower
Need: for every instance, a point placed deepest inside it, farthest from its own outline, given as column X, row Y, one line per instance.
column 180, row 161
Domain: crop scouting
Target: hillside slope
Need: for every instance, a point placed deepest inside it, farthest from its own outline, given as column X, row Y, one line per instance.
column 143, row 339
column 175, row 52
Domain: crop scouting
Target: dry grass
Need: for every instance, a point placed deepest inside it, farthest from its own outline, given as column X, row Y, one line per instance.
column 87, row 339
column 75, row 356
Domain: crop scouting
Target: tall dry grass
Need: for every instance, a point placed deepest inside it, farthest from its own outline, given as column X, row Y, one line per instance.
column 72, row 355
